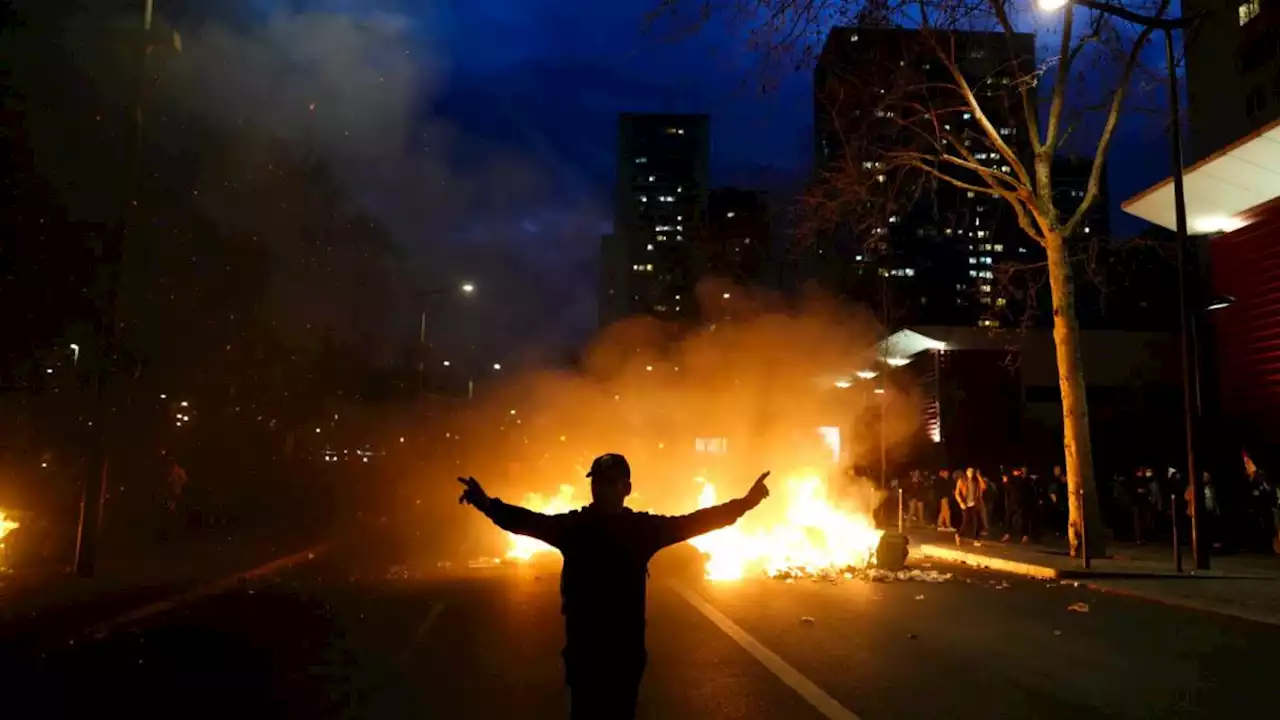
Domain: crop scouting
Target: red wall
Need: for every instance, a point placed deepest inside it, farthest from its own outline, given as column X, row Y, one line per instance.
column 1245, row 264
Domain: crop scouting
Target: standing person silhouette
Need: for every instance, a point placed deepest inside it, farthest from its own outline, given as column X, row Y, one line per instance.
column 606, row 548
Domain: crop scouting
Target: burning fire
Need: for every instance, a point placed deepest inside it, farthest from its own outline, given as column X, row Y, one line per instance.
column 6, row 524
column 799, row 529
column 521, row 547
column 811, row 534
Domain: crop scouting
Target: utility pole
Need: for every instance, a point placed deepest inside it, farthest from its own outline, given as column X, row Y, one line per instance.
column 109, row 267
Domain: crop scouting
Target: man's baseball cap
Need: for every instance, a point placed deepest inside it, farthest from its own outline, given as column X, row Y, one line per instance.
column 610, row 466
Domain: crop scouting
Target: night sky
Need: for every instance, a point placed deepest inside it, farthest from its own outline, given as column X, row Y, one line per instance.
column 483, row 131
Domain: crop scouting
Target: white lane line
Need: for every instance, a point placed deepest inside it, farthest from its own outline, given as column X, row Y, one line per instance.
column 823, row 702
column 421, row 632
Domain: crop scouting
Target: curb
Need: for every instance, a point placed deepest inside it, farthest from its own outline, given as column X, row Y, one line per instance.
column 214, row 587
column 1187, row 604
column 979, row 560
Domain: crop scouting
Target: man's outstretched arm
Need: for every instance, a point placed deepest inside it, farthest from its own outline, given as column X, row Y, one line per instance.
column 513, row 518
column 672, row 530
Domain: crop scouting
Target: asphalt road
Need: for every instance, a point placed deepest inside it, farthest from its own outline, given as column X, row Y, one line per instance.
column 318, row 643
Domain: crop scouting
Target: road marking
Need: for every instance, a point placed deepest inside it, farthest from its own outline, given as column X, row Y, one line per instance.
column 824, row 703
column 421, row 632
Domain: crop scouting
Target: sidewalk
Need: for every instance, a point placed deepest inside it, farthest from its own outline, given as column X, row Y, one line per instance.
column 53, row 601
column 1246, row 586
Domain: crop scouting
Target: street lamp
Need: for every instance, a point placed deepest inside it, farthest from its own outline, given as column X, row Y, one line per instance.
column 1190, row 392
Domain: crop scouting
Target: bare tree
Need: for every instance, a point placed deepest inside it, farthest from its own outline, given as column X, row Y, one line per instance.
column 928, row 125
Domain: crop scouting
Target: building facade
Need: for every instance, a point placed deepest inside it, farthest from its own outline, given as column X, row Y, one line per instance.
column 738, row 241
column 1232, row 71
column 930, row 253
column 651, row 263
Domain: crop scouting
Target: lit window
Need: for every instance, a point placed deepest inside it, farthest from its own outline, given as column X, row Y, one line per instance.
column 982, row 234
column 1249, row 10
column 998, row 248
column 987, row 274
column 1006, row 131
column 1001, row 302
column 678, row 219
column 649, row 246
column 641, row 160
column 985, row 288
column 973, row 274
column 893, row 219
column 969, row 194
column 857, row 258
column 648, row 268
column 986, row 259
column 973, row 260
column 968, row 116
column 1086, row 229
column 652, row 178
column 880, row 178
column 1004, row 168
column 643, row 198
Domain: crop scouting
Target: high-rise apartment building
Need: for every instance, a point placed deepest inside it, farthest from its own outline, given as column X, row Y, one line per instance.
column 738, row 241
column 651, row 263
column 929, row 253
column 1232, row 70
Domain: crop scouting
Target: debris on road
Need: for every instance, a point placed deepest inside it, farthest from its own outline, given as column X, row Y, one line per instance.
column 1080, row 607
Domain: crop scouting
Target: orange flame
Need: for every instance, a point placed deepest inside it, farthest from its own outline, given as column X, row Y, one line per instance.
column 799, row 528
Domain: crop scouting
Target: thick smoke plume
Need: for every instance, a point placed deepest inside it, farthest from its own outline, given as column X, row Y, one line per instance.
column 759, row 377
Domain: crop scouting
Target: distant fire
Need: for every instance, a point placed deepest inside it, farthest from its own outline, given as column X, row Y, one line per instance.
column 798, row 529
column 6, row 525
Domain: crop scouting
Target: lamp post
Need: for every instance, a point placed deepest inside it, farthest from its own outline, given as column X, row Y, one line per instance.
column 1190, row 385
column 467, row 289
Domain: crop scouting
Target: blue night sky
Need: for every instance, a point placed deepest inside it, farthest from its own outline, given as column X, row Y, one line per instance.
column 493, row 156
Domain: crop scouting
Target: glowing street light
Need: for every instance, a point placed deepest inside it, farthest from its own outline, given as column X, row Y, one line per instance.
column 1047, row 5
column 497, row 366
column 866, row 374
column 843, row 384
column 446, row 363
column 467, row 288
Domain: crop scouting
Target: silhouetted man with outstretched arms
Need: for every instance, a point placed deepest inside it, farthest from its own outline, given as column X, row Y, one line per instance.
column 606, row 548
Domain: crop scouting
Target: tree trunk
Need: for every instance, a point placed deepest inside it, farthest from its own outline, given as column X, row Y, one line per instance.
column 1084, row 527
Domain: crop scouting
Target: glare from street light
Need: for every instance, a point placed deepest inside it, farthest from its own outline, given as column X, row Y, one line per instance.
column 446, row 363
column 866, row 374
column 1052, row 4
column 468, row 288
column 843, row 384
column 1219, row 302
column 726, row 296
column 497, row 366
